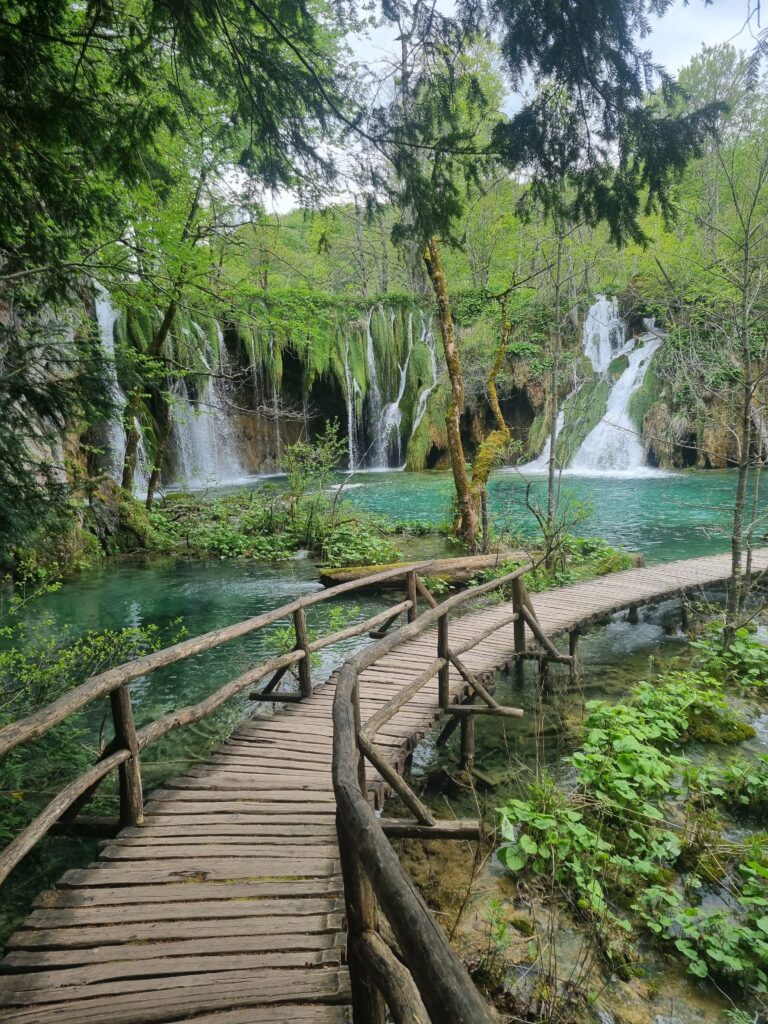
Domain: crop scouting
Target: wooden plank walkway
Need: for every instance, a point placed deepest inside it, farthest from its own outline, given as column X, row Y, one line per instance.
column 226, row 906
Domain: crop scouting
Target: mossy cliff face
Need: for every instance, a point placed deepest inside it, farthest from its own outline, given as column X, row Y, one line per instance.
column 294, row 362
column 684, row 424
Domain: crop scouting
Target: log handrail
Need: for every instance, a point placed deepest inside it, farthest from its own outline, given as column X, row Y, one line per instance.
column 33, row 726
column 123, row 752
column 371, row 868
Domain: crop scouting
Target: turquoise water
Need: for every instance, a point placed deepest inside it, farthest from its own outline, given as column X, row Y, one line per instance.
column 663, row 517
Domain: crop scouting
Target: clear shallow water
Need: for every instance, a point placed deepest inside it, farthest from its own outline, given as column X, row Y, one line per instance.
column 512, row 752
column 665, row 516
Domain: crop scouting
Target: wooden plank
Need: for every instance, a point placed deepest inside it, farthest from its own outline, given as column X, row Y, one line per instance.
column 51, row 985
column 316, row 1014
column 188, row 802
column 168, row 892
column 144, row 1002
column 196, row 910
column 178, row 948
column 197, row 851
column 156, row 931
column 238, row 869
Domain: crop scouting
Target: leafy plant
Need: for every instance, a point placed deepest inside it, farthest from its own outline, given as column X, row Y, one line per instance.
column 744, row 663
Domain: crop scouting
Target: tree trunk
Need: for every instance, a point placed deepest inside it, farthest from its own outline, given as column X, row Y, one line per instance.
column 467, row 518
column 494, row 444
column 384, row 276
column 747, row 585
column 552, row 501
column 162, row 444
column 131, row 445
column 737, row 535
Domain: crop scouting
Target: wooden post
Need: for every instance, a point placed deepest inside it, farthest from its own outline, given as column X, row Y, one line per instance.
column 131, row 796
column 543, row 677
column 685, row 614
column 411, row 594
column 573, row 652
column 302, row 644
column 443, row 675
column 368, row 1005
column 367, row 1002
column 519, row 625
column 358, row 725
column 467, row 742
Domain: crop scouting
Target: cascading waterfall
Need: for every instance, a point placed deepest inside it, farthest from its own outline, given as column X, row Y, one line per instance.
column 613, row 446
column 373, row 398
column 275, row 400
column 388, row 439
column 428, row 337
column 106, row 317
column 604, row 333
column 541, row 463
column 352, row 394
column 202, row 432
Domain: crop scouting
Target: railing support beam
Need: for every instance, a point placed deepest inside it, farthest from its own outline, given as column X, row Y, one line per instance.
column 131, row 795
column 302, row 644
column 412, row 594
column 444, row 673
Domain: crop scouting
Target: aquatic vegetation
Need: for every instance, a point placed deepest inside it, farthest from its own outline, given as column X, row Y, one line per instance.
column 579, row 558
column 744, row 663
column 613, row 846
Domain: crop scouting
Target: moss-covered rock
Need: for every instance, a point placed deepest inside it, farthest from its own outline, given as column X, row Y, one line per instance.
column 119, row 522
column 583, row 411
column 718, row 725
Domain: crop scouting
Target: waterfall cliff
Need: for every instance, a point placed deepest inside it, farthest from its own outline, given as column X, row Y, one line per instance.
column 249, row 390
column 611, row 443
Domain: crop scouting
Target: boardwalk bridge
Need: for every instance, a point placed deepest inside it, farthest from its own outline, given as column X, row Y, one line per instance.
column 251, row 890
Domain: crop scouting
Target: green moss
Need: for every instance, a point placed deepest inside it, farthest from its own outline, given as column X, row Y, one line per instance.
column 524, row 925
column 718, row 725
column 645, row 396
column 583, row 411
column 538, row 432
column 618, row 366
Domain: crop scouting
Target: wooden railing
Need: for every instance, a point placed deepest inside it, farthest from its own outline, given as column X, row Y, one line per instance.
column 429, row 983
column 424, row 980
column 124, row 751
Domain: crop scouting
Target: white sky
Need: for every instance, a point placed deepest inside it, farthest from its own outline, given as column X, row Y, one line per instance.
column 675, row 38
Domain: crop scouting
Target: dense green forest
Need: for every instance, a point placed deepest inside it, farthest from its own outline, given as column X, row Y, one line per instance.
column 278, row 302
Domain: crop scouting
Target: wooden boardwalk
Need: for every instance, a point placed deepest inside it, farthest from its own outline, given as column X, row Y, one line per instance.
column 226, row 906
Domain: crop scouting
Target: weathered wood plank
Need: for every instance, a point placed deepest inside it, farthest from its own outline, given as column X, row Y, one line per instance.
column 143, row 1002
column 156, row 931
column 118, row 953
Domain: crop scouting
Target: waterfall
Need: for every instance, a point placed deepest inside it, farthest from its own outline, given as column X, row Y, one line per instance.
column 275, row 401
column 541, row 463
column 388, row 438
column 352, row 393
column 613, row 445
column 604, row 333
column 106, row 316
column 428, row 337
column 203, row 438
column 373, row 399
